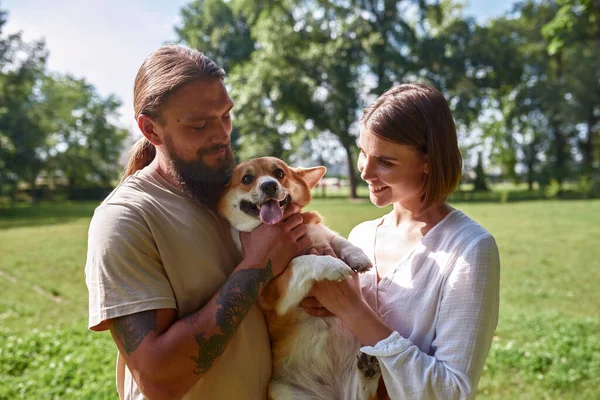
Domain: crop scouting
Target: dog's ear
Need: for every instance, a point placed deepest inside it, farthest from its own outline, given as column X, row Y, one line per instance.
column 311, row 176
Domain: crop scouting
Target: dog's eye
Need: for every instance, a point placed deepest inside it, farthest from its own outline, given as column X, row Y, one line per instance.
column 278, row 173
column 247, row 179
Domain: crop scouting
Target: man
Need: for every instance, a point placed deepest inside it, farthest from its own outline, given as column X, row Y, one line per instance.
column 162, row 271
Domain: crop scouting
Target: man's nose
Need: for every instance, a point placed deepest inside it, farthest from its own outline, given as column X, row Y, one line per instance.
column 222, row 135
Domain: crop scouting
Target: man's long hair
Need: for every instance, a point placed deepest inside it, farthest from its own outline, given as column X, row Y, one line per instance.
column 163, row 72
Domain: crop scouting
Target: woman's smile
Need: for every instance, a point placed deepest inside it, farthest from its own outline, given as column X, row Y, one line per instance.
column 377, row 189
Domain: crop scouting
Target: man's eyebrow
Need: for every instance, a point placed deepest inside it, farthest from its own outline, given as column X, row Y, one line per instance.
column 200, row 117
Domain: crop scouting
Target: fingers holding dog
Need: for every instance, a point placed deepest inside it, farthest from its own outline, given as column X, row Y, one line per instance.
column 278, row 243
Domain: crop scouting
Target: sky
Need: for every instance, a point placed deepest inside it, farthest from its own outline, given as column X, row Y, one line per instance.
column 106, row 41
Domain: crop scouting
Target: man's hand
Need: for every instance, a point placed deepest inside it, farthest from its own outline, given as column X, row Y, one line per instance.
column 313, row 307
column 278, row 243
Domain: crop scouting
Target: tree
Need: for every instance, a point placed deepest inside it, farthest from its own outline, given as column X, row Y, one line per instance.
column 55, row 125
column 85, row 144
column 575, row 32
column 480, row 184
column 21, row 138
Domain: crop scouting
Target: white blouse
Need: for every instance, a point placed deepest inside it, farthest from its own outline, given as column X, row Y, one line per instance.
column 441, row 300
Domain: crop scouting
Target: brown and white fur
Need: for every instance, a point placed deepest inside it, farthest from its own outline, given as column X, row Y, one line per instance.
column 313, row 358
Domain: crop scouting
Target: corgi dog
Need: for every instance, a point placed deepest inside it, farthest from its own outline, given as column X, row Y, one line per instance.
column 313, row 357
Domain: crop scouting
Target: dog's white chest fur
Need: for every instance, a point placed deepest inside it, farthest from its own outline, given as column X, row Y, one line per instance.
column 320, row 354
column 313, row 358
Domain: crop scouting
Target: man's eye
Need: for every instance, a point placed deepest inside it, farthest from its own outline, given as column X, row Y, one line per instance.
column 247, row 179
column 200, row 127
column 278, row 173
column 384, row 162
column 227, row 116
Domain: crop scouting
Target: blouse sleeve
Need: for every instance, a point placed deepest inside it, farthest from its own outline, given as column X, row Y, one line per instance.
column 467, row 318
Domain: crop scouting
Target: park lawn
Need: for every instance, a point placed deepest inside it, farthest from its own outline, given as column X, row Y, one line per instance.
column 547, row 344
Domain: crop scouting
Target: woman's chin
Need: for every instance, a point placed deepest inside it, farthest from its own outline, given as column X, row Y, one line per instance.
column 379, row 201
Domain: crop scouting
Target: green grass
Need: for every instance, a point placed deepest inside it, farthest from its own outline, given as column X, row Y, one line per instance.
column 547, row 345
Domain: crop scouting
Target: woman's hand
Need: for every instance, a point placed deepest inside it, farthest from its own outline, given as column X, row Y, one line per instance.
column 345, row 300
column 340, row 298
column 329, row 298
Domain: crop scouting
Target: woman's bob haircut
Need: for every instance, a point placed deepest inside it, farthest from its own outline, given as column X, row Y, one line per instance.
column 418, row 116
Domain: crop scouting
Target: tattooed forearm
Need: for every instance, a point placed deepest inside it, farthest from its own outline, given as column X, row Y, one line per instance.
column 130, row 330
column 234, row 300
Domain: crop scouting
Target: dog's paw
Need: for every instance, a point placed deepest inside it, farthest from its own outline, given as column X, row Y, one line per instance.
column 357, row 260
column 332, row 269
column 369, row 365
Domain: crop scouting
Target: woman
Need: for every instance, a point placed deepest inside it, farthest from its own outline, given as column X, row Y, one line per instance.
column 429, row 307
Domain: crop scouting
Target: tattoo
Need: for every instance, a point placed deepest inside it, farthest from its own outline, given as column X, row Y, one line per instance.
column 234, row 301
column 131, row 330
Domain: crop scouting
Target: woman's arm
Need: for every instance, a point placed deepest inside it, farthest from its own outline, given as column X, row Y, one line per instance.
column 465, row 325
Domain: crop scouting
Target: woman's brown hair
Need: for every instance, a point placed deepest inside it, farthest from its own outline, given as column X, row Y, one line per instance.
column 418, row 116
column 162, row 73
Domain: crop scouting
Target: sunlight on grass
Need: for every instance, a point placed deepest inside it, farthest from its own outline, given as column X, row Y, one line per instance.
column 547, row 344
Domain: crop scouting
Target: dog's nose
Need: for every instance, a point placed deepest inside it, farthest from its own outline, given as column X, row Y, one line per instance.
column 269, row 188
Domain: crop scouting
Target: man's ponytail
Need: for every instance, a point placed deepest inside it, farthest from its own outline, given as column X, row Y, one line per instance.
column 141, row 154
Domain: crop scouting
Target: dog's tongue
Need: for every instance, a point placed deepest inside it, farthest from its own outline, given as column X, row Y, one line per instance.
column 270, row 213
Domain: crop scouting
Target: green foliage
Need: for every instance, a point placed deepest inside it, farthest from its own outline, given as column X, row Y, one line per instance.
column 57, row 364
column 552, row 189
column 585, row 186
column 55, row 128
column 558, row 354
column 85, row 145
column 303, row 70
column 576, row 20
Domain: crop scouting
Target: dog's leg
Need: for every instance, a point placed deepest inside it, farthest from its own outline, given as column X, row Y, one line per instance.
column 352, row 255
column 305, row 270
column 368, row 373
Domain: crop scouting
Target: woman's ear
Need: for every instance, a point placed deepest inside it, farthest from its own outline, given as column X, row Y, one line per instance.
column 148, row 126
column 426, row 164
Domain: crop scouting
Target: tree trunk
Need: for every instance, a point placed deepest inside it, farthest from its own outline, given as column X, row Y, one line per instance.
column 560, row 154
column 530, row 178
column 34, row 199
column 351, row 173
column 530, row 161
column 587, row 146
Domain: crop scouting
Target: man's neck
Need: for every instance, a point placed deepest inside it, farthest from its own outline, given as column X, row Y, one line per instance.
column 160, row 165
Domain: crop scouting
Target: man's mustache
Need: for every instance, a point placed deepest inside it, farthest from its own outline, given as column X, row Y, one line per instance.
column 202, row 152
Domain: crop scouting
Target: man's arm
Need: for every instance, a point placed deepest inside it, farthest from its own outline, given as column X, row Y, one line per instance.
column 166, row 356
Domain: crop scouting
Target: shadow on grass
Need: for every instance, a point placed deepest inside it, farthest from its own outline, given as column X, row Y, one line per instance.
column 45, row 214
column 482, row 197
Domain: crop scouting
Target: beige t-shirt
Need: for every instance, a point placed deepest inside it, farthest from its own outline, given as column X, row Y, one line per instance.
column 150, row 247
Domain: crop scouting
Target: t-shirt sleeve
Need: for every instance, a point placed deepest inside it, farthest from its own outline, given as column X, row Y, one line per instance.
column 123, row 272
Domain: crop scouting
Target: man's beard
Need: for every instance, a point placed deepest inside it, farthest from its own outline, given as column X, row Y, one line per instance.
column 200, row 181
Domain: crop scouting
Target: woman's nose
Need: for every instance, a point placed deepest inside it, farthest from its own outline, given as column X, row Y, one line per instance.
column 365, row 168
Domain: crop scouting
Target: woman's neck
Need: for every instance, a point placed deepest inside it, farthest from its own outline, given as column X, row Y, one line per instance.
column 410, row 215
